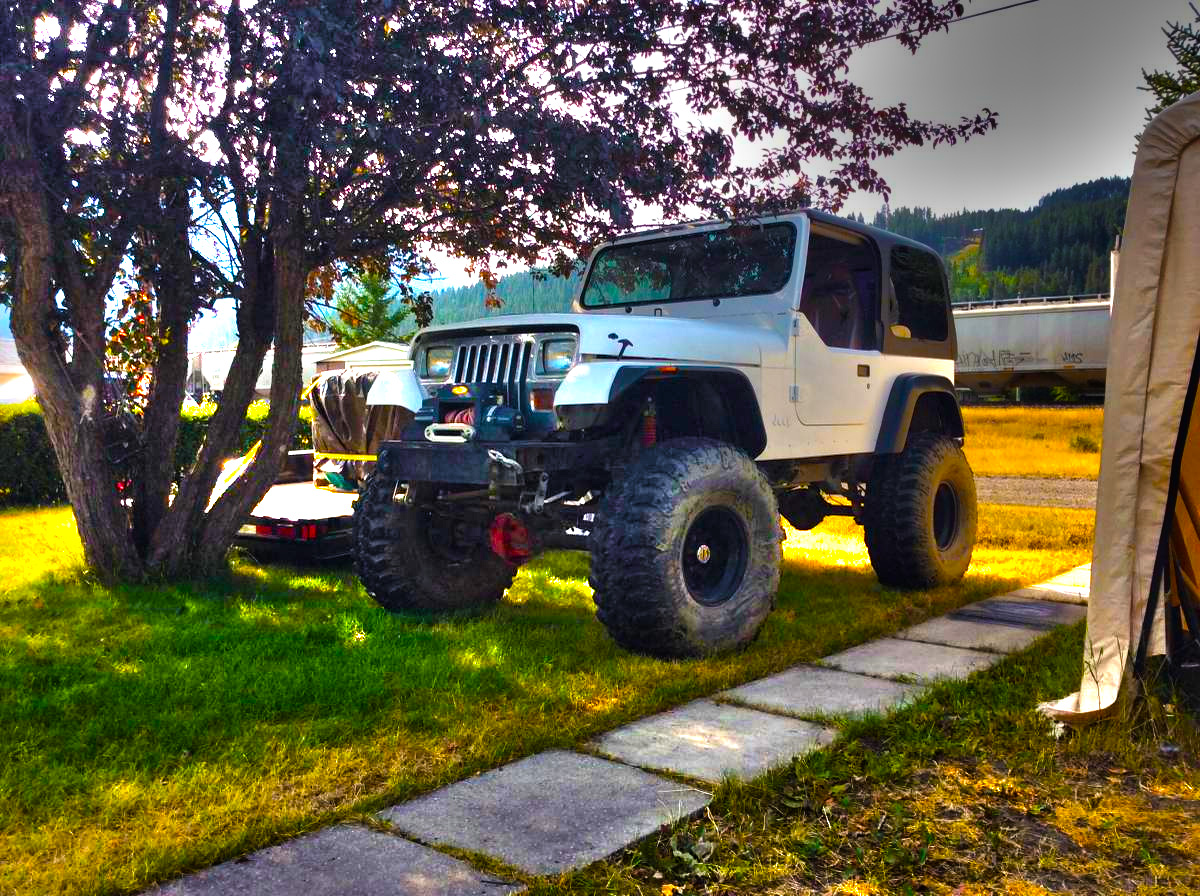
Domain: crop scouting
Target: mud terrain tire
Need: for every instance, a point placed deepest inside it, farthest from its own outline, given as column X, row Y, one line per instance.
column 404, row 571
column 686, row 551
column 920, row 514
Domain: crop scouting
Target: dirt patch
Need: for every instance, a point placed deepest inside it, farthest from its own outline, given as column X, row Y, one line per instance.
column 1080, row 493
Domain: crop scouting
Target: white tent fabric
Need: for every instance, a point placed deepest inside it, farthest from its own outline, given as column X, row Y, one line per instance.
column 1152, row 345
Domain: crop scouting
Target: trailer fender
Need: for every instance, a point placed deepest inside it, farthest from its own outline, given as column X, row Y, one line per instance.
column 397, row 387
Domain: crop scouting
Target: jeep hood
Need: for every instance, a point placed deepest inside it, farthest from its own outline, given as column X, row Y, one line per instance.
column 721, row 340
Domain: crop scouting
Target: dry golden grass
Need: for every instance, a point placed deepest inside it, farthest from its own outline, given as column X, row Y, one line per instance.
column 1059, row 443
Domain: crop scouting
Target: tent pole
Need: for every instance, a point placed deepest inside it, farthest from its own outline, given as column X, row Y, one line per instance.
column 1161, row 558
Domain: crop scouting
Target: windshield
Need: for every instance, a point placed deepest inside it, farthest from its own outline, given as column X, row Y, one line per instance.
column 716, row 264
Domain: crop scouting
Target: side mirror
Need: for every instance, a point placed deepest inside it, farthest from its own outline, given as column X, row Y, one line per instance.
column 901, row 332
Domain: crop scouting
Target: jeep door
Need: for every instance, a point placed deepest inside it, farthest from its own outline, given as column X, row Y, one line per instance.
column 836, row 333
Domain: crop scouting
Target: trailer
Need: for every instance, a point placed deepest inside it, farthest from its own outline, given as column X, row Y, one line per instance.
column 297, row 520
column 1044, row 341
column 309, row 513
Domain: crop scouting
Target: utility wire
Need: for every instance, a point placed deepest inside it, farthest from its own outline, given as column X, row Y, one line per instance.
column 974, row 15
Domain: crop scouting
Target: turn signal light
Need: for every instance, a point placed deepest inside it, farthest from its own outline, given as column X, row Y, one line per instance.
column 542, row 399
column 460, row 390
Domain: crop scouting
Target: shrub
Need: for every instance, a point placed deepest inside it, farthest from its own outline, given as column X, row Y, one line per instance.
column 1084, row 444
column 195, row 425
column 29, row 471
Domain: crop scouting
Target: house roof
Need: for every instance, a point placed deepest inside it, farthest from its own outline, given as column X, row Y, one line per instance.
column 374, row 349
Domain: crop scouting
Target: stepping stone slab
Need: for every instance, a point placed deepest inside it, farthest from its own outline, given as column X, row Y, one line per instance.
column 974, row 634
column 1040, row 614
column 814, row 690
column 897, row 658
column 1080, row 576
column 710, row 741
column 337, row 861
column 549, row 813
column 1048, row 591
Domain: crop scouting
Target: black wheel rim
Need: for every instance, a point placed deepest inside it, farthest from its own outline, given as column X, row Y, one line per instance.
column 715, row 551
column 945, row 515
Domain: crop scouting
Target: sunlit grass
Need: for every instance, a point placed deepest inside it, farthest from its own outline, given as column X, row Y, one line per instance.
column 153, row 730
column 1016, row 441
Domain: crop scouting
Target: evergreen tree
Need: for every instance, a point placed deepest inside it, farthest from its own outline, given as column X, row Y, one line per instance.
column 1183, row 42
column 1058, row 247
column 367, row 310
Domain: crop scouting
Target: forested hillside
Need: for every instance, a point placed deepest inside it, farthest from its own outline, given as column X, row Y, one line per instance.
column 522, row 293
column 1058, row 247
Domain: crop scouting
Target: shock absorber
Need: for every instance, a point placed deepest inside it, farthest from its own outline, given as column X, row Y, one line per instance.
column 649, row 424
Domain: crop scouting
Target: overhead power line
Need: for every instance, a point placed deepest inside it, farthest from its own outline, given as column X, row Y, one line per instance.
column 974, row 15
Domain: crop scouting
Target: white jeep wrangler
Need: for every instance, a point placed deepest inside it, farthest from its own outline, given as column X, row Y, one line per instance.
column 711, row 378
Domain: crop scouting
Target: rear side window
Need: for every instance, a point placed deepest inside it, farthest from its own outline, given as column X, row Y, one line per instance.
column 920, row 293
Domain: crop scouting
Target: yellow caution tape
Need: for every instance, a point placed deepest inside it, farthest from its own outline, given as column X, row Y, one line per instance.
column 321, row 455
column 234, row 468
column 308, row 389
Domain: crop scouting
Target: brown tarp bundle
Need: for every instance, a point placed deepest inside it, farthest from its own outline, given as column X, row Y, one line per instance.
column 1181, row 584
column 345, row 430
column 1152, row 351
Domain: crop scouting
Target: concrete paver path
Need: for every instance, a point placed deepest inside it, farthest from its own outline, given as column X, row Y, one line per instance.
column 910, row 661
column 709, row 741
column 337, row 861
column 548, row 813
column 816, row 691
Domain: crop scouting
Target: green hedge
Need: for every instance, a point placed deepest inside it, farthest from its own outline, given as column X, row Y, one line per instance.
column 29, row 470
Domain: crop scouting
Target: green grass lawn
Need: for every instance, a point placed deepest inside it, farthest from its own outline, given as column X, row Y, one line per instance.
column 149, row 731
column 1016, row 441
column 968, row 792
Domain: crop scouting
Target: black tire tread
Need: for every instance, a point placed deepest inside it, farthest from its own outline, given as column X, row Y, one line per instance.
column 391, row 566
column 899, row 489
column 628, row 563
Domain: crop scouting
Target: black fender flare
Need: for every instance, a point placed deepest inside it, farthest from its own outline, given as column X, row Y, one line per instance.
column 751, row 434
column 933, row 395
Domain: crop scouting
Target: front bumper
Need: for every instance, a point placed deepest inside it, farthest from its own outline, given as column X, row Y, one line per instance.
column 470, row 464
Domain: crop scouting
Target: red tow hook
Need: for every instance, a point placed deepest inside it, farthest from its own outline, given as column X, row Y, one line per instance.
column 510, row 539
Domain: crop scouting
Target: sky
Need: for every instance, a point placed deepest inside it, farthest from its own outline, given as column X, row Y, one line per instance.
column 1063, row 76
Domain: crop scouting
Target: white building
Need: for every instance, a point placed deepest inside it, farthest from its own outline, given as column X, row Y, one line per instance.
column 15, row 384
column 207, row 370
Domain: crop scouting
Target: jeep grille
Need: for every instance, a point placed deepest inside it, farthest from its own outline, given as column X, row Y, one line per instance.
column 494, row 359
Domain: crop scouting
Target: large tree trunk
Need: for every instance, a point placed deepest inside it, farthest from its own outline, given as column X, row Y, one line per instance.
column 174, row 287
column 231, row 509
column 70, row 392
column 192, row 538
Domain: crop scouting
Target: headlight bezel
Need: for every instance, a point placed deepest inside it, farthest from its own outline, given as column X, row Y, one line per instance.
column 428, row 370
column 566, row 355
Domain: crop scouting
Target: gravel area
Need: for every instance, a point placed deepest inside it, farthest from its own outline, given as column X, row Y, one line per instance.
column 1036, row 492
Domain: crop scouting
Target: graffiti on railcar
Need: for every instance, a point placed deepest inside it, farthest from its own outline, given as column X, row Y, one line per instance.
column 996, row 359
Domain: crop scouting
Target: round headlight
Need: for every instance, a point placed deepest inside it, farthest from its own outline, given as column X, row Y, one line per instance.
column 558, row 355
column 438, row 361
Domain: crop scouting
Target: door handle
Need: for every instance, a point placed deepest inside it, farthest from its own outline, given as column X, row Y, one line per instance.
column 864, row 369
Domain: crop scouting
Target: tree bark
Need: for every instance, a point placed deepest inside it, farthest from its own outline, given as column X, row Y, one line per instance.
column 174, row 287
column 69, row 392
column 231, row 509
